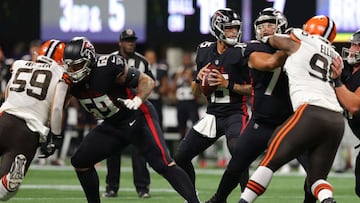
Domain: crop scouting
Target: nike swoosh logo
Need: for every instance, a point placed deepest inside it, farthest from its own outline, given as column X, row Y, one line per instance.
column 132, row 123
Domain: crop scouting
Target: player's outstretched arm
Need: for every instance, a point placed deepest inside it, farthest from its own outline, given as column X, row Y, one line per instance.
column 350, row 100
column 266, row 62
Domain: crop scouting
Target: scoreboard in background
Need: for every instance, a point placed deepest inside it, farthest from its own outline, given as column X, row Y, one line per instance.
column 176, row 22
column 183, row 22
column 345, row 13
column 98, row 20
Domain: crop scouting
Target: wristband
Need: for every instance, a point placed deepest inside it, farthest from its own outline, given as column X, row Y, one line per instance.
column 231, row 85
column 337, row 82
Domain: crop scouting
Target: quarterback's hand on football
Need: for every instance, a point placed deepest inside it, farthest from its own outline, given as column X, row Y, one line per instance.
column 217, row 79
column 132, row 104
column 52, row 143
column 202, row 72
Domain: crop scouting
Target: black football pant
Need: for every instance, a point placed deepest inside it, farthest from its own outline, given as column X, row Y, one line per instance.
column 357, row 175
column 193, row 144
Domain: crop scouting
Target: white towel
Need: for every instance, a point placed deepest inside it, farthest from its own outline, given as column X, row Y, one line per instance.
column 206, row 126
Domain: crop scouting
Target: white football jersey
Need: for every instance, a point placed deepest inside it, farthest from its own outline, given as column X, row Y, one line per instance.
column 309, row 72
column 30, row 93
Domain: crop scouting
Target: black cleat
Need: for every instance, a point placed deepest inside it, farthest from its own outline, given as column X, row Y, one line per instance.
column 243, row 201
column 214, row 200
column 144, row 194
column 110, row 194
column 329, row 200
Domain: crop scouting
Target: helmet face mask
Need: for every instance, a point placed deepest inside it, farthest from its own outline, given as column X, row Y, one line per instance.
column 352, row 54
column 79, row 57
column 271, row 16
column 226, row 19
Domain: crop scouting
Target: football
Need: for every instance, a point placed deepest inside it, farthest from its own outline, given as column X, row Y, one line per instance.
column 205, row 86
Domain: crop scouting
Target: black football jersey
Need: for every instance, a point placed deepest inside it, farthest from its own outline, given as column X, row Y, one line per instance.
column 99, row 93
column 352, row 83
column 224, row 102
column 271, row 102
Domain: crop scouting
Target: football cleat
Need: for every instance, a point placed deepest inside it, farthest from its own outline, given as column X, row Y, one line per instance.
column 110, row 194
column 17, row 173
column 144, row 194
column 328, row 200
column 214, row 200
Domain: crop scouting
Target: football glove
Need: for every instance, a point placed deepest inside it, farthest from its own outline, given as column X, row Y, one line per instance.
column 52, row 143
column 132, row 104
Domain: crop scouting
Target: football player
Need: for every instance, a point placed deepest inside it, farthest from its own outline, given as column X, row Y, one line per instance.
column 317, row 125
column 105, row 86
column 226, row 112
column 271, row 105
column 141, row 175
column 35, row 96
column 350, row 98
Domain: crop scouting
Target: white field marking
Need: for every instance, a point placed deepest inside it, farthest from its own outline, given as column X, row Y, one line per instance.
column 198, row 171
column 78, row 188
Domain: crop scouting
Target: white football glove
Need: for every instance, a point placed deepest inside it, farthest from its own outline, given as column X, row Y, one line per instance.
column 132, row 104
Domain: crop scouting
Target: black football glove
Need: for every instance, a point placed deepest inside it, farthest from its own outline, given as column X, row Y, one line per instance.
column 52, row 143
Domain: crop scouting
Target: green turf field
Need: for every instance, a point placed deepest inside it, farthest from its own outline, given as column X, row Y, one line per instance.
column 60, row 185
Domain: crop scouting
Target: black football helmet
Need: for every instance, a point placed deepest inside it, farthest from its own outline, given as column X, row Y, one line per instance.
column 223, row 18
column 350, row 55
column 270, row 15
column 79, row 50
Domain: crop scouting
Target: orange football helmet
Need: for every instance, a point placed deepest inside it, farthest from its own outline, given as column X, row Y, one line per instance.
column 321, row 25
column 53, row 49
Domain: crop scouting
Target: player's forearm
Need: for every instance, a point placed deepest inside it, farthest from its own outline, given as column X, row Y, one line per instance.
column 242, row 89
column 348, row 99
column 145, row 86
column 195, row 87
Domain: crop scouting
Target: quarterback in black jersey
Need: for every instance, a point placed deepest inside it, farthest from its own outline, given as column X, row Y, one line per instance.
column 351, row 78
column 141, row 175
column 226, row 112
column 105, row 86
column 271, row 106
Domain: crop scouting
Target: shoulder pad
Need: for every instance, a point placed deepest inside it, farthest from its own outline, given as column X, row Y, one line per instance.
column 298, row 34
